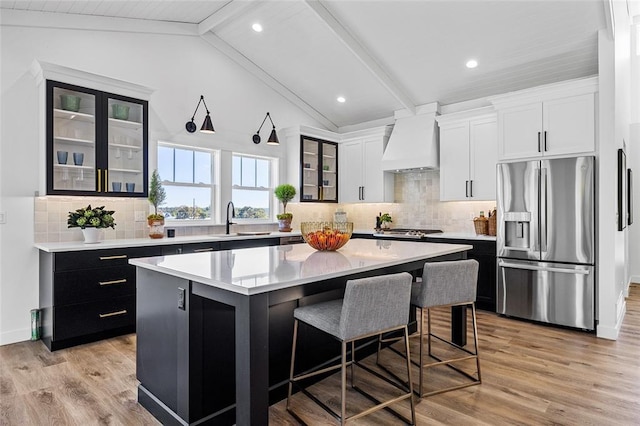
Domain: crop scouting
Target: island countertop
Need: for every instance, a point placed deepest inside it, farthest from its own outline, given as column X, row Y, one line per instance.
column 262, row 269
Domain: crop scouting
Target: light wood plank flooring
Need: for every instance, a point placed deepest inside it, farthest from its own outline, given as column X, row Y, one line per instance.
column 532, row 375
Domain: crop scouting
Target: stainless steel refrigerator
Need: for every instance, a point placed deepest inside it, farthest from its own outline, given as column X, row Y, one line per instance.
column 546, row 241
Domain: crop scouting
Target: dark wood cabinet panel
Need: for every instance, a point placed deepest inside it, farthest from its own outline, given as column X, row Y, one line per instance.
column 87, row 318
column 89, row 284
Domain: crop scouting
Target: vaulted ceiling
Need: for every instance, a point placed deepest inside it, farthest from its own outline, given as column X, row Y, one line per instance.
column 380, row 55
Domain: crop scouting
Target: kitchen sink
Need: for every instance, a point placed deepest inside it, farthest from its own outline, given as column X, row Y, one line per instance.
column 240, row 234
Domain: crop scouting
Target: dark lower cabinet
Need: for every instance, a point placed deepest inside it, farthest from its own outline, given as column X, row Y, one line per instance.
column 485, row 253
column 88, row 295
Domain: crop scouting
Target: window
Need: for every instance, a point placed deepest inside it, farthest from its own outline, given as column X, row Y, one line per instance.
column 252, row 189
column 188, row 178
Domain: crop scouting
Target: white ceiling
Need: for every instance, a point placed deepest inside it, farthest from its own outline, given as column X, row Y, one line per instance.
column 381, row 55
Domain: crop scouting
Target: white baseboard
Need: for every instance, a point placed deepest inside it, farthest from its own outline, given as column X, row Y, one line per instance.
column 634, row 279
column 15, row 336
column 611, row 333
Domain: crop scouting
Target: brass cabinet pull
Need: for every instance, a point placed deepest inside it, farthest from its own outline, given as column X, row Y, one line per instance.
column 99, row 180
column 113, row 314
column 119, row 256
column 121, row 281
column 106, row 180
column 201, row 250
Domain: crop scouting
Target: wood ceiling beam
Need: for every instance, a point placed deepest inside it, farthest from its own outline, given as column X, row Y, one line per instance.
column 274, row 84
column 362, row 53
column 226, row 12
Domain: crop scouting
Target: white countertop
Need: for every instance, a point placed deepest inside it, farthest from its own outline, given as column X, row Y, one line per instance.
column 142, row 242
column 257, row 270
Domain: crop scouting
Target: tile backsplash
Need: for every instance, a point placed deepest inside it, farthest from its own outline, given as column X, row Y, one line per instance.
column 417, row 206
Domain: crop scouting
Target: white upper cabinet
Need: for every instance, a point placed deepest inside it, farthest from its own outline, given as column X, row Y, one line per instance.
column 361, row 177
column 552, row 120
column 468, row 155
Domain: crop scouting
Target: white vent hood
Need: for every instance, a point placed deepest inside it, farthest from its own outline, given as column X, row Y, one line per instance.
column 413, row 143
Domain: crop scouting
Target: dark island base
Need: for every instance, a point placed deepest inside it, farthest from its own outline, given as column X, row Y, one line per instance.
column 187, row 359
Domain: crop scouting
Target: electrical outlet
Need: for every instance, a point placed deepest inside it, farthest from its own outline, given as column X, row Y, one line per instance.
column 3, row 217
column 139, row 216
column 181, row 298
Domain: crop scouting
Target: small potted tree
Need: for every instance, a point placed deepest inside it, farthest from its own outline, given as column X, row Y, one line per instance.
column 157, row 195
column 284, row 193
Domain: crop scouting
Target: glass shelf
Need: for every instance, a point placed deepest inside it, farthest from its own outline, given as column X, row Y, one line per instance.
column 124, row 146
column 125, row 124
column 71, row 115
column 126, row 171
column 74, row 141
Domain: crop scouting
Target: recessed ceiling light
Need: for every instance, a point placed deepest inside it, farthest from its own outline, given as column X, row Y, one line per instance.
column 472, row 63
column 341, row 99
column 257, row 27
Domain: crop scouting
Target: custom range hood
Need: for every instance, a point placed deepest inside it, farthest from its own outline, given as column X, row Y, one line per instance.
column 413, row 143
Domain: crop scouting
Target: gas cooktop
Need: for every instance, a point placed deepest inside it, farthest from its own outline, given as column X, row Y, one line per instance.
column 408, row 233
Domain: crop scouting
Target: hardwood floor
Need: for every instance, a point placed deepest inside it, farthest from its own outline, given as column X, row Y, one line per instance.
column 532, row 375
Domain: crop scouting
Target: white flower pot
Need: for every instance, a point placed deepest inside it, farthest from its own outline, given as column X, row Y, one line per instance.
column 91, row 235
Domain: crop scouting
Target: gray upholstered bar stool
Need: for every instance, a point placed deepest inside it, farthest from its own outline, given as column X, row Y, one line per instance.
column 444, row 284
column 370, row 307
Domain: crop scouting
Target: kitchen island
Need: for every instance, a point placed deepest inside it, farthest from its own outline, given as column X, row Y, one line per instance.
column 214, row 329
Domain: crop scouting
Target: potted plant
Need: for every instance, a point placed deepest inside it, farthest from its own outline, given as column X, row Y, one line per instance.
column 90, row 220
column 285, row 193
column 157, row 195
column 385, row 220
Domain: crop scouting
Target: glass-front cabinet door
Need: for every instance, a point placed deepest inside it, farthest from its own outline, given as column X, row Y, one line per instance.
column 72, row 126
column 126, row 147
column 319, row 170
column 96, row 142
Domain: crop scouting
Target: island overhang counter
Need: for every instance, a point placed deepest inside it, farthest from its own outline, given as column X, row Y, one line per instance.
column 214, row 329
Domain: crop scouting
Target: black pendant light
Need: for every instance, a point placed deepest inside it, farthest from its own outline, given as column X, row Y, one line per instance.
column 207, row 124
column 273, row 137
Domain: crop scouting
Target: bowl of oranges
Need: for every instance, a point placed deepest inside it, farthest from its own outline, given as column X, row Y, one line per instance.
column 326, row 236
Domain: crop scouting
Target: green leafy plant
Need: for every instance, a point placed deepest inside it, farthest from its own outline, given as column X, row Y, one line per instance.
column 285, row 193
column 157, row 195
column 386, row 218
column 88, row 217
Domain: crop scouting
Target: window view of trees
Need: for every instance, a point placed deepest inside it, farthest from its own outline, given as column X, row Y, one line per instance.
column 187, row 178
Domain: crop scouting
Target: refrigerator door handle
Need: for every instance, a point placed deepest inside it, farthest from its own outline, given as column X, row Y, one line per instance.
column 544, row 197
column 504, row 264
column 539, row 142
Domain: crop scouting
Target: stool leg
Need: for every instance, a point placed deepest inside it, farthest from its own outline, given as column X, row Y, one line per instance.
column 475, row 339
column 343, row 387
column 353, row 362
column 293, row 358
column 421, row 373
column 413, row 406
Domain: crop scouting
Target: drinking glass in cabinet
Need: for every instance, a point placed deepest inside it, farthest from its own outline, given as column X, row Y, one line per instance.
column 62, row 157
column 78, row 158
column 131, row 186
column 117, row 186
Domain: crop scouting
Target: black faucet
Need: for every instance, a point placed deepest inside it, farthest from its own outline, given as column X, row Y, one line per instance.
column 233, row 214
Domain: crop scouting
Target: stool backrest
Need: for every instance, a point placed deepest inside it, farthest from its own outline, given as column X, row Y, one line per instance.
column 374, row 304
column 447, row 283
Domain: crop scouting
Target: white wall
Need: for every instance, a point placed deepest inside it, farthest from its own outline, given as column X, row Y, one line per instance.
column 614, row 124
column 634, row 157
column 180, row 68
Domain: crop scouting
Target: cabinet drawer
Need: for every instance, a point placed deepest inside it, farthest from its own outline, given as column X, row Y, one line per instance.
column 86, row 318
column 258, row 242
column 93, row 284
column 75, row 260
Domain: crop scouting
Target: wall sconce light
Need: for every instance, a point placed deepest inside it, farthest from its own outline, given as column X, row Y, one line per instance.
column 207, row 125
column 273, row 137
